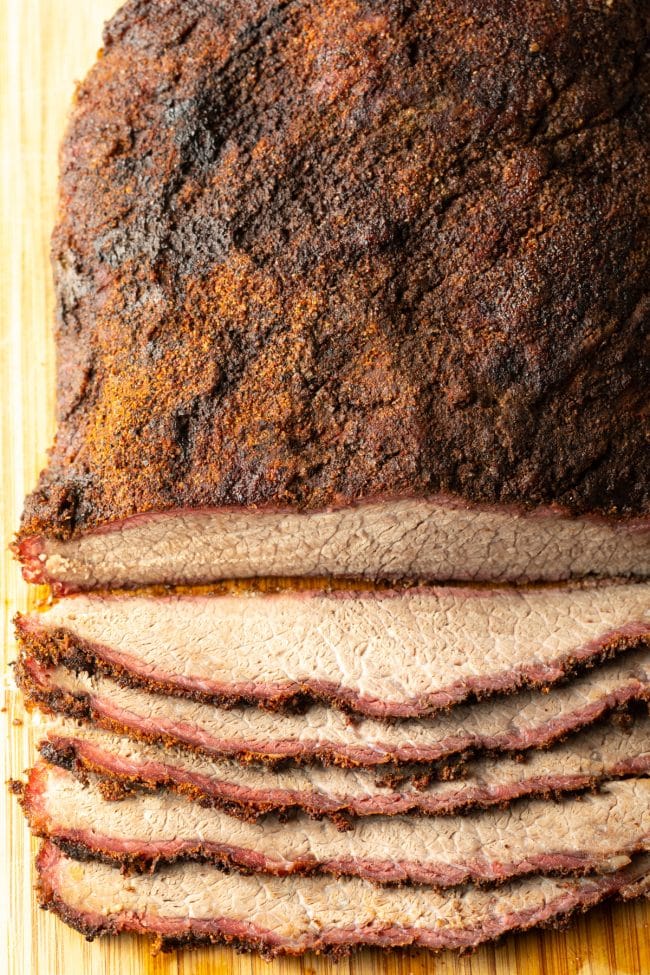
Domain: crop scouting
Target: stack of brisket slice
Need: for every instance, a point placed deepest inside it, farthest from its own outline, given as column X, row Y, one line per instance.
column 353, row 289
column 427, row 766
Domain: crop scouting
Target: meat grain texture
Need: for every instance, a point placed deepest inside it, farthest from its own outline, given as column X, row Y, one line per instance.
column 320, row 258
column 360, row 289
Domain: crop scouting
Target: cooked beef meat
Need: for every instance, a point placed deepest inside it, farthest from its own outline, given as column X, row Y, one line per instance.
column 524, row 720
column 584, row 761
column 339, row 284
column 398, row 654
column 594, row 833
column 191, row 904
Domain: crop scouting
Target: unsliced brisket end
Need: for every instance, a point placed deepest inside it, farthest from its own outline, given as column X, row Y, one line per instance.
column 593, row 833
column 339, row 283
column 388, row 654
column 520, row 721
column 124, row 765
column 191, row 904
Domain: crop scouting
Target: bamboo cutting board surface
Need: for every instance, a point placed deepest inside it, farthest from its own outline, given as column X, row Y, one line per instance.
column 44, row 46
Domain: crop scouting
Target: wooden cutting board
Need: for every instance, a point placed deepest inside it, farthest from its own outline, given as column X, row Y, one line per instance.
column 44, row 46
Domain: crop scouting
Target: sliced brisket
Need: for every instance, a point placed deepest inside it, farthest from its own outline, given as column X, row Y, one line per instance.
column 355, row 289
column 399, row 654
column 191, row 904
column 523, row 720
column 124, row 764
column 593, row 833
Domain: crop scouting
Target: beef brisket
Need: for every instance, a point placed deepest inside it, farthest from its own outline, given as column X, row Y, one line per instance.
column 191, row 904
column 352, row 289
column 399, row 654
column 355, row 289
column 524, row 720
column 593, row 833
column 124, row 765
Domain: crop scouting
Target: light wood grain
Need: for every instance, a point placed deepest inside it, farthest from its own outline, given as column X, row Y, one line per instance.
column 44, row 46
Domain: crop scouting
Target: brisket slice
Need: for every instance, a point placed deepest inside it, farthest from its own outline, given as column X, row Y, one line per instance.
column 400, row 539
column 524, row 720
column 124, row 765
column 311, row 255
column 393, row 653
column 593, row 833
column 190, row 904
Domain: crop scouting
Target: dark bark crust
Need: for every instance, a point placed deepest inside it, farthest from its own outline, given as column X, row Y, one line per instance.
column 60, row 646
column 310, row 253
